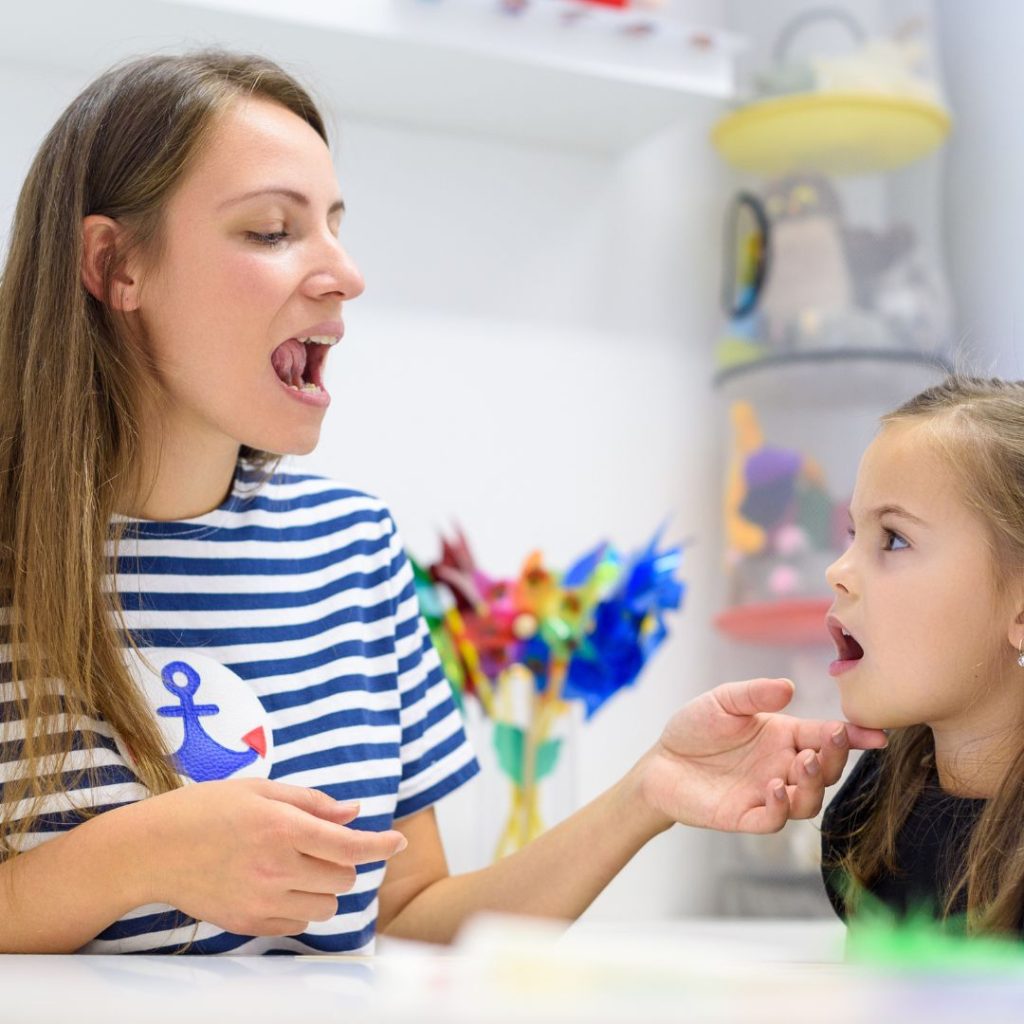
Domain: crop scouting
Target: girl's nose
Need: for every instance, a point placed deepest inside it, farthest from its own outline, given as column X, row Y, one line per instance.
column 837, row 575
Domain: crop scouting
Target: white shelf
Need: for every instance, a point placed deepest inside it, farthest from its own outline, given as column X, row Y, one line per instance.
column 829, row 379
column 455, row 65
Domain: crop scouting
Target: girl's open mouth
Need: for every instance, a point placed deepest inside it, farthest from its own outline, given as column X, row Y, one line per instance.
column 848, row 649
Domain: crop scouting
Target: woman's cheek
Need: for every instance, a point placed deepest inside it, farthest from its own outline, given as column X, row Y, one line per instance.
column 258, row 277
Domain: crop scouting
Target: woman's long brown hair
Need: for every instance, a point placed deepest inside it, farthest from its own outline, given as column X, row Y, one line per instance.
column 76, row 380
column 979, row 424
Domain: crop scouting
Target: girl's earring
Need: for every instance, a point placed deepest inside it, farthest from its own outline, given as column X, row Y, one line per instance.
column 1020, row 654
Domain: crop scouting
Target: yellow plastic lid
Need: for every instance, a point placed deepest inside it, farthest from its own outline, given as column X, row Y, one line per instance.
column 830, row 132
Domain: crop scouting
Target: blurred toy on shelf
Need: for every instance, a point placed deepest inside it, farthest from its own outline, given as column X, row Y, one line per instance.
column 896, row 64
column 525, row 648
column 876, row 109
column 782, row 528
column 836, row 309
column 799, row 277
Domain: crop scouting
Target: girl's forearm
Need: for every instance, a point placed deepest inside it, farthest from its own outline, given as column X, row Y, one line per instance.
column 558, row 875
column 58, row 896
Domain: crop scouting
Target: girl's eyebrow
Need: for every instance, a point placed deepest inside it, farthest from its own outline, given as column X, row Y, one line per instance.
column 289, row 193
column 891, row 510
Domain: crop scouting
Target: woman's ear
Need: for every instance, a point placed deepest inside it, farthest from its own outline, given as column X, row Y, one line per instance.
column 100, row 236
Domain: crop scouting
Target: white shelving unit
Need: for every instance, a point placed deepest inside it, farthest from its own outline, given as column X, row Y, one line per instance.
column 458, row 65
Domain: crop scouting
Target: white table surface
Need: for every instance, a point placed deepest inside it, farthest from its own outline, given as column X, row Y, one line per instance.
column 510, row 970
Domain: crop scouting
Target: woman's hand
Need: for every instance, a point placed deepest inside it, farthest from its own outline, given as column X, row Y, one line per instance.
column 725, row 762
column 252, row 856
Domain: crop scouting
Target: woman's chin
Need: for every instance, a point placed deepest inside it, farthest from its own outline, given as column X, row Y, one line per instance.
column 293, row 443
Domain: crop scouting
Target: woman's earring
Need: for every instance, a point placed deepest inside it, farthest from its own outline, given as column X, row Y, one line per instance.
column 1020, row 653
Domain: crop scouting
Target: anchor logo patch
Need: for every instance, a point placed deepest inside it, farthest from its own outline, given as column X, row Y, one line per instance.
column 213, row 723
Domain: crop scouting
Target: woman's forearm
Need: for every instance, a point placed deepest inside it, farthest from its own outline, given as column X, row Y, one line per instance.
column 58, row 896
column 558, row 875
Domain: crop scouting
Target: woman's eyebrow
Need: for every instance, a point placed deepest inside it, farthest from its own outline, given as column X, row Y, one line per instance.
column 290, row 193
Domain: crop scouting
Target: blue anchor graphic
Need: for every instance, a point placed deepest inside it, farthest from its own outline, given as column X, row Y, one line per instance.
column 200, row 756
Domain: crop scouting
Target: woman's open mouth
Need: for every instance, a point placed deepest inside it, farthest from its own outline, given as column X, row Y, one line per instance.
column 299, row 362
column 848, row 649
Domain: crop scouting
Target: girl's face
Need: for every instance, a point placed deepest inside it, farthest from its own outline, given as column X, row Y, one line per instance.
column 252, row 259
column 917, row 592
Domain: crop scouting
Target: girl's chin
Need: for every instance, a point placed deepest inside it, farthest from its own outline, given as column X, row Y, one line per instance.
column 872, row 719
column 864, row 717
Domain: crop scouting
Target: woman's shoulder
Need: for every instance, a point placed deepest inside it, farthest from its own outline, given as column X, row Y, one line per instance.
column 291, row 490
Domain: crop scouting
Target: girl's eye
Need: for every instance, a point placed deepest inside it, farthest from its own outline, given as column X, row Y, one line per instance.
column 269, row 239
column 893, row 541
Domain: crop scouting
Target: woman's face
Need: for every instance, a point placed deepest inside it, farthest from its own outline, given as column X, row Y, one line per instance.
column 251, row 259
column 917, row 590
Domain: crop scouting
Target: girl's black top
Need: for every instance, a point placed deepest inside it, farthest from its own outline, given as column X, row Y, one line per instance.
column 930, row 848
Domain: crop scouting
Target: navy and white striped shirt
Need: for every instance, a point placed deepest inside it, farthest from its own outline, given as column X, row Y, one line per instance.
column 284, row 640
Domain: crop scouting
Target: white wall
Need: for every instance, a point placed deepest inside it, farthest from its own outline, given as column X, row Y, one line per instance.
column 542, row 320
column 545, row 319
column 984, row 212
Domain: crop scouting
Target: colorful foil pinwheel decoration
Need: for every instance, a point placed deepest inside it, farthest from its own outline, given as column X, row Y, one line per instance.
column 580, row 636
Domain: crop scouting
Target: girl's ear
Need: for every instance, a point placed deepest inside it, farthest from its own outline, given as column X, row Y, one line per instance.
column 100, row 236
column 1015, row 634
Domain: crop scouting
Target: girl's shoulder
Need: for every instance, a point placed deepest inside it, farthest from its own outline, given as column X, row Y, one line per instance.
column 852, row 801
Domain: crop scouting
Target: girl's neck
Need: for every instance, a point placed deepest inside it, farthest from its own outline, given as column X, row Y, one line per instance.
column 974, row 765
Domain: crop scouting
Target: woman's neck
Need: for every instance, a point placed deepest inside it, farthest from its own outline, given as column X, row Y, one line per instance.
column 187, row 477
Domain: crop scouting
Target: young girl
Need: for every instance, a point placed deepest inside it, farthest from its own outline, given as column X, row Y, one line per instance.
column 928, row 621
column 217, row 695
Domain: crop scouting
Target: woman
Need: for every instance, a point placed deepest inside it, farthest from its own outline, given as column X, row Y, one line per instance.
column 174, row 286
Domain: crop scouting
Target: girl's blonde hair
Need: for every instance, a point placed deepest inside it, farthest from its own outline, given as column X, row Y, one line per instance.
column 980, row 426
column 77, row 379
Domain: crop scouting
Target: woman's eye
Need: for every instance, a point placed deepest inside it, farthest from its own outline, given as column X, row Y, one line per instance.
column 270, row 239
column 894, row 542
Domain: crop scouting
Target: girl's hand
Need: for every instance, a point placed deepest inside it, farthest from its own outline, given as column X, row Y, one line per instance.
column 723, row 762
column 252, row 856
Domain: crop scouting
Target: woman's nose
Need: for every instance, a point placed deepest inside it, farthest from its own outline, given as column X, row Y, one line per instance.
column 353, row 278
column 339, row 273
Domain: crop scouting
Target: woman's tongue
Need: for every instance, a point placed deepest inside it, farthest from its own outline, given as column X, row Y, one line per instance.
column 289, row 361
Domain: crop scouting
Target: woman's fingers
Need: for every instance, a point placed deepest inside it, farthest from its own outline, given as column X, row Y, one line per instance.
column 311, row 906
column 341, row 845
column 774, row 813
column 322, row 876
column 812, row 732
column 751, row 696
column 279, row 926
column 806, row 790
column 835, row 749
column 312, row 801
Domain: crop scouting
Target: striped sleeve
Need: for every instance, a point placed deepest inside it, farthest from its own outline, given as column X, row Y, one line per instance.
column 435, row 753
